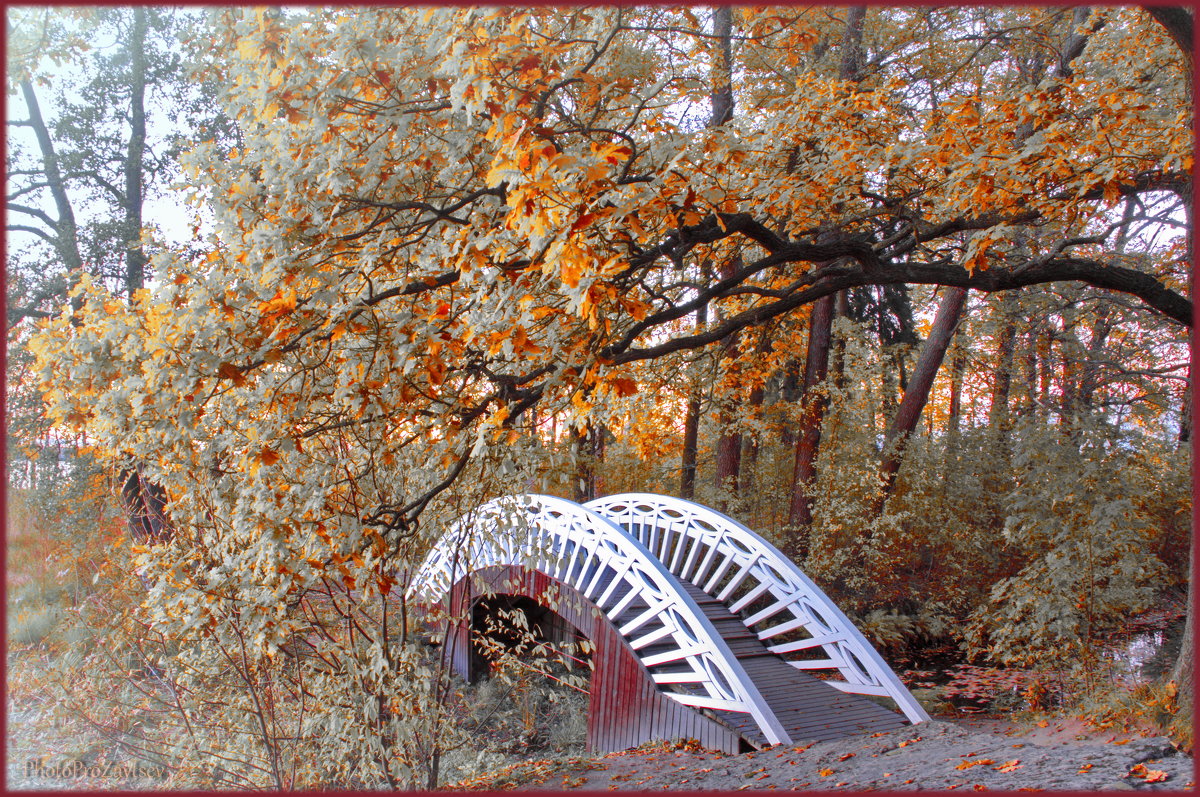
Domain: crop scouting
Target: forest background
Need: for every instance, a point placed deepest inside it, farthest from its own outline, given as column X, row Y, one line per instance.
column 906, row 290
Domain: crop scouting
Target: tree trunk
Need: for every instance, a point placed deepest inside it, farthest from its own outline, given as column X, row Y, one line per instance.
column 808, row 438
column 729, row 442
column 998, row 416
column 958, row 366
column 917, row 393
column 1183, row 672
column 135, row 255
column 587, row 448
column 691, row 425
column 750, row 442
column 65, row 230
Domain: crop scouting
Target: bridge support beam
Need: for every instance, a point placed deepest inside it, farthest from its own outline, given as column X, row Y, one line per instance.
column 625, row 706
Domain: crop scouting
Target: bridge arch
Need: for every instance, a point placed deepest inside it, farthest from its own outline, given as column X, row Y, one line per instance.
column 771, row 595
column 615, row 556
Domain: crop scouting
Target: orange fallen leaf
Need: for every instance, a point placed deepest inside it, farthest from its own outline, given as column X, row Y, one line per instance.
column 969, row 764
column 844, row 757
column 1084, row 768
column 1155, row 776
column 825, row 772
column 1009, row 766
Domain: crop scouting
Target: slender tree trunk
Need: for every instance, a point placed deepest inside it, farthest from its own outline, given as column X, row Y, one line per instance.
column 999, row 417
column 585, row 452
column 1089, row 381
column 1183, row 672
column 958, row 366
column 691, row 425
column 789, row 391
column 750, row 442
column 1045, row 373
column 135, row 256
column 729, row 442
column 917, row 393
column 808, row 438
column 66, row 232
column 837, row 367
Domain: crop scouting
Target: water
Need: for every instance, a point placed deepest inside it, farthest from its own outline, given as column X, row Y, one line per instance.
column 1129, row 657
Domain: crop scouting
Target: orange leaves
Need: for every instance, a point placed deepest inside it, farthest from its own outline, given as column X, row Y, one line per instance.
column 231, row 372
column 435, row 367
column 571, row 273
column 624, row 386
column 825, row 772
column 1009, row 766
column 265, row 456
column 282, row 303
column 521, row 342
column 611, row 153
column 1142, row 772
column 515, row 340
column 975, row 763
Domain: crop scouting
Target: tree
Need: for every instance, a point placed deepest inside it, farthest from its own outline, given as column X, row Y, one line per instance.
column 440, row 219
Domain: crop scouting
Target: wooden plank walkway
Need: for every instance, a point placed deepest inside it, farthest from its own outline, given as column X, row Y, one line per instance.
column 627, row 708
column 809, row 709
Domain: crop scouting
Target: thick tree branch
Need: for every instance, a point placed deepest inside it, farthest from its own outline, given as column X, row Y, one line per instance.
column 1178, row 22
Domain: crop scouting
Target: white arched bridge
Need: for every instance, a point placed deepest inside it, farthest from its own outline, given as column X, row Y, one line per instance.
column 699, row 627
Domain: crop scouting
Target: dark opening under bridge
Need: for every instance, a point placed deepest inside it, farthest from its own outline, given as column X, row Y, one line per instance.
column 699, row 627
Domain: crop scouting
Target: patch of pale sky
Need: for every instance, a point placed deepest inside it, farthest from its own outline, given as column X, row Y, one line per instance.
column 168, row 219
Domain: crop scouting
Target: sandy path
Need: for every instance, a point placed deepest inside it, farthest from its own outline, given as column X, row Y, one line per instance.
column 937, row 755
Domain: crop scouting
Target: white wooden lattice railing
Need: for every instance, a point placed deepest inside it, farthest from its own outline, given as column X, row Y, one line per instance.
column 753, row 579
column 639, row 596
column 628, row 553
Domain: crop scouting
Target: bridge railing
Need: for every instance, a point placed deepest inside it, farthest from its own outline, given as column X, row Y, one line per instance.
column 615, row 571
column 774, row 599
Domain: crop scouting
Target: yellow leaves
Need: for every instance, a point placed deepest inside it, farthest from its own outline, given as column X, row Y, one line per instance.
column 571, row 273
column 582, row 405
column 249, row 49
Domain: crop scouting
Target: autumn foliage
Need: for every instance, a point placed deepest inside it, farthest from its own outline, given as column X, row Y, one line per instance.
column 456, row 253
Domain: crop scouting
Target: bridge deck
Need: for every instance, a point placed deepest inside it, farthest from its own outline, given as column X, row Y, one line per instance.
column 808, row 708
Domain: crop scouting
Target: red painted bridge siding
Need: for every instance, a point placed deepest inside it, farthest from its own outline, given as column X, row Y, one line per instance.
column 625, row 706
